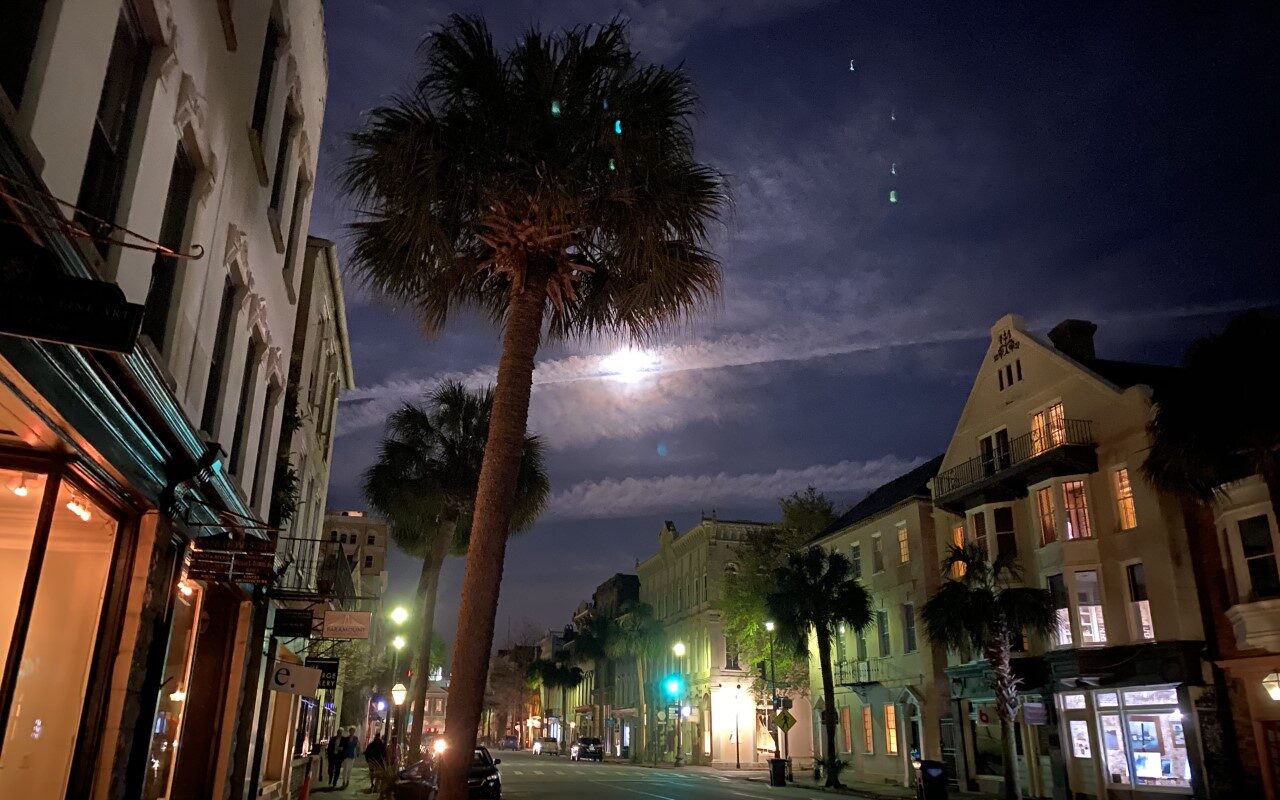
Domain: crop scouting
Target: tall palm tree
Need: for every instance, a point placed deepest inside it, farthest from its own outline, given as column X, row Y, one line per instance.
column 815, row 593
column 424, row 483
column 982, row 607
column 553, row 674
column 640, row 637
column 592, row 644
column 552, row 187
column 1204, row 435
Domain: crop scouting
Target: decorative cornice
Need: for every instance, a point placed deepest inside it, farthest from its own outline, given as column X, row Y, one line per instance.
column 236, row 257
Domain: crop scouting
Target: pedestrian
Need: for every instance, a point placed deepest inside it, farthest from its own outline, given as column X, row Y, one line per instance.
column 334, row 751
column 351, row 749
column 375, row 758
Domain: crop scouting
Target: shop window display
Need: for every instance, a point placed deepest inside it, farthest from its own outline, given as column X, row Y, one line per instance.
column 1143, row 738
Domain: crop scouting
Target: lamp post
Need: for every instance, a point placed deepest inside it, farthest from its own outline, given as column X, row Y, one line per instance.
column 773, row 689
column 678, row 650
column 398, row 693
column 737, row 737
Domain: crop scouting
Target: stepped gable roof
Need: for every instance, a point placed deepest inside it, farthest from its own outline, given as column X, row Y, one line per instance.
column 912, row 484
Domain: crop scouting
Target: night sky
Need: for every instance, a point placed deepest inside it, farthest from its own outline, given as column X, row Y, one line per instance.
column 1114, row 162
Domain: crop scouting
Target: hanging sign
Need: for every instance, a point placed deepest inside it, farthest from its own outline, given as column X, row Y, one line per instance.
column 347, row 624
column 294, row 678
column 328, row 671
column 293, row 623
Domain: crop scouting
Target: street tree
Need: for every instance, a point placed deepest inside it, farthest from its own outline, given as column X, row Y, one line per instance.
column 815, row 593
column 639, row 636
column 982, row 607
column 552, row 674
column 424, row 483
column 553, row 188
column 592, row 644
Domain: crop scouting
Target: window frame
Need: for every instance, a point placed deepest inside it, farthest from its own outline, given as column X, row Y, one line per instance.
column 1067, row 510
column 1125, row 504
column 877, row 553
column 868, row 731
column 855, row 560
column 909, row 643
column 1228, row 525
column 884, row 638
column 890, row 729
column 1047, row 517
column 904, row 543
column 1132, row 605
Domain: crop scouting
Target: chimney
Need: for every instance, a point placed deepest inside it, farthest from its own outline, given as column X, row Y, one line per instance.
column 1075, row 338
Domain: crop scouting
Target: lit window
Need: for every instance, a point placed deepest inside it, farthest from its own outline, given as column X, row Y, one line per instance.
column 1117, row 767
column 877, row 554
column 1080, row 746
column 1106, row 699
column 1061, row 611
column 1139, row 606
column 1259, row 551
column 909, row 628
column 868, row 731
column 890, row 728
column 1076, row 506
column 1048, row 429
column 1073, row 702
column 1126, row 515
column 957, row 540
column 855, row 559
column 1093, row 628
column 1044, row 505
column 904, row 546
column 846, row 729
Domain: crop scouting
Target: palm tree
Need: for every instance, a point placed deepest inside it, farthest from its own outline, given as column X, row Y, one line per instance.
column 982, row 608
column 815, row 594
column 1203, row 436
column 592, row 644
column 639, row 636
column 423, row 482
column 556, row 673
column 553, row 188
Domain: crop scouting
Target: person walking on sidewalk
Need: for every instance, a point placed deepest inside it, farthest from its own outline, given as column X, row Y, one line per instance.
column 351, row 749
column 334, row 751
column 375, row 758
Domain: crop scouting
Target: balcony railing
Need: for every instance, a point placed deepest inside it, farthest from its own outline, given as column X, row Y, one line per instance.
column 875, row 670
column 1018, row 451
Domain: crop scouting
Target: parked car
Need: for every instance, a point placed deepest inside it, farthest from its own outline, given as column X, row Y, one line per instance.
column 549, row 746
column 587, row 748
column 419, row 781
column 509, row 743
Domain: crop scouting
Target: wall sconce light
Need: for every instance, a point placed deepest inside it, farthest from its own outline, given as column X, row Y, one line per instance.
column 1272, row 684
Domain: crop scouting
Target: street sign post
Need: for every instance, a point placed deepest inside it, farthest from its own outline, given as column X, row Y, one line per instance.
column 785, row 720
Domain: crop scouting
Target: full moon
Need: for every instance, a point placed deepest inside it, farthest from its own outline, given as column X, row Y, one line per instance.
column 629, row 365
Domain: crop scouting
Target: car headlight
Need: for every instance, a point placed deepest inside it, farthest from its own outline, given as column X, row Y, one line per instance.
column 492, row 779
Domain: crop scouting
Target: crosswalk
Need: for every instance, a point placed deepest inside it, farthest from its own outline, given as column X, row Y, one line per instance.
column 648, row 774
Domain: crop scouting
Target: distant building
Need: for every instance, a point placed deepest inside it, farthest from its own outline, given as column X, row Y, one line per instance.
column 363, row 540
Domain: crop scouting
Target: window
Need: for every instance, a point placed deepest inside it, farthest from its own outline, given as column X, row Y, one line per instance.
column 846, row 729
column 1044, row 508
column 1139, row 606
column 980, row 530
column 371, row 540
column 1258, row 549
column 1126, row 515
column 333, row 536
column 1080, row 744
column 264, row 442
column 1048, row 429
column 882, row 632
column 877, row 554
column 996, row 454
column 266, row 72
column 18, row 38
column 909, row 628
column 904, row 545
column 1061, row 611
column 840, row 647
column 218, row 359
column 1093, row 629
column 1076, row 507
column 1146, row 743
column 1073, row 702
column 730, row 654
column 103, row 180
column 890, row 729
column 1006, row 536
column 243, row 411
column 173, row 225
column 957, row 541
column 855, row 559
column 301, row 189
column 282, row 160
column 868, row 731
column 368, row 562
column 860, row 636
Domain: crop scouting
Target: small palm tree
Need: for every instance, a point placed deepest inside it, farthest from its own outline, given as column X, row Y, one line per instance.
column 1204, row 436
column 553, row 188
column 640, row 637
column 982, row 608
column 423, row 482
column 815, row 593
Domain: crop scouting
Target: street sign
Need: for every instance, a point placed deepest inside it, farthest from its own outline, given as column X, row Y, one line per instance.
column 294, row 678
column 328, row 671
column 786, row 721
column 293, row 623
column 347, row 624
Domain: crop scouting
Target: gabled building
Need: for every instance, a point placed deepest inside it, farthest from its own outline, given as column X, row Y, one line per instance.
column 1044, row 466
column 890, row 685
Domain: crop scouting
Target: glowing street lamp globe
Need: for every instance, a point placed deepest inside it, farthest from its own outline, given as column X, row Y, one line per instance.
column 678, row 649
column 769, row 626
column 398, row 693
column 399, row 614
column 398, row 642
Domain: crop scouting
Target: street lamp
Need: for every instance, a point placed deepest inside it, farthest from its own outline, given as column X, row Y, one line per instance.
column 773, row 688
column 678, row 649
column 737, row 737
column 399, row 615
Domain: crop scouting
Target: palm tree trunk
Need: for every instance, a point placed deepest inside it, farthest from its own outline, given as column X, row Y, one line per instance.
column 428, row 591
column 495, row 496
column 564, row 717
column 829, row 715
column 1006, row 688
column 642, row 709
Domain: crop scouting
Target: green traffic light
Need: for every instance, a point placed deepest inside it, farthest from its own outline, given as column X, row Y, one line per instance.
column 673, row 685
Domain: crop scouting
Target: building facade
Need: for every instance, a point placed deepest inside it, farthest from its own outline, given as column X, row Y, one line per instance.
column 156, row 163
column 1044, row 466
column 890, row 683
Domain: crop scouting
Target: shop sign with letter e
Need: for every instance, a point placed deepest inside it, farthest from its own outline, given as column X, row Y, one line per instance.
column 294, row 678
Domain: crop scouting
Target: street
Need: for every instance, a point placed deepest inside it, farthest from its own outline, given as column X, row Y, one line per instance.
column 525, row 776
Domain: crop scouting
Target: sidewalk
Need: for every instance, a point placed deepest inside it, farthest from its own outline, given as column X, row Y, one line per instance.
column 357, row 790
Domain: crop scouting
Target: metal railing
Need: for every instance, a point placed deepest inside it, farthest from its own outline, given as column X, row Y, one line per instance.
column 1017, row 451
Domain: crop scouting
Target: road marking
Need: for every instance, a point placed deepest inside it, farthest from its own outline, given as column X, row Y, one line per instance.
column 539, row 772
column 637, row 791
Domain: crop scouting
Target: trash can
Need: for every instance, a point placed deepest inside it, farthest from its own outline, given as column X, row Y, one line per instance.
column 777, row 772
column 931, row 780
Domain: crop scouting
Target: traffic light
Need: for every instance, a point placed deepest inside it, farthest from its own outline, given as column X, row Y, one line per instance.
column 673, row 686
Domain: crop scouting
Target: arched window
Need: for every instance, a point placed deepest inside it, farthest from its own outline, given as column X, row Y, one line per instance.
column 333, row 536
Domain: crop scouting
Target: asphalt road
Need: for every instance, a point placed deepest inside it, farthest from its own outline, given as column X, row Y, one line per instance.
column 529, row 777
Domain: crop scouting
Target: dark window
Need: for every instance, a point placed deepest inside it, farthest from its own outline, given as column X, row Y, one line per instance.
column 282, row 159
column 1008, row 374
column 1017, row 367
column 300, row 190
column 862, row 644
column 1000, row 375
column 218, row 358
column 264, row 440
column 882, row 632
column 730, row 654
column 909, row 628
column 113, row 126
column 980, row 531
column 18, row 37
column 1260, row 556
column 371, row 538
column 1006, row 538
column 855, row 559
column 839, row 639
column 266, row 71
column 243, row 411
column 333, row 536
column 995, row 451
column 368, row 561
column 164, row 270
column 1004, row 456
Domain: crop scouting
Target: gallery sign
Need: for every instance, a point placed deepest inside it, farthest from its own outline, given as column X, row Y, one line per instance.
column 347, row 624
column 293, row 623
column 294, row 678
column 328, row 671
column 246, row 559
